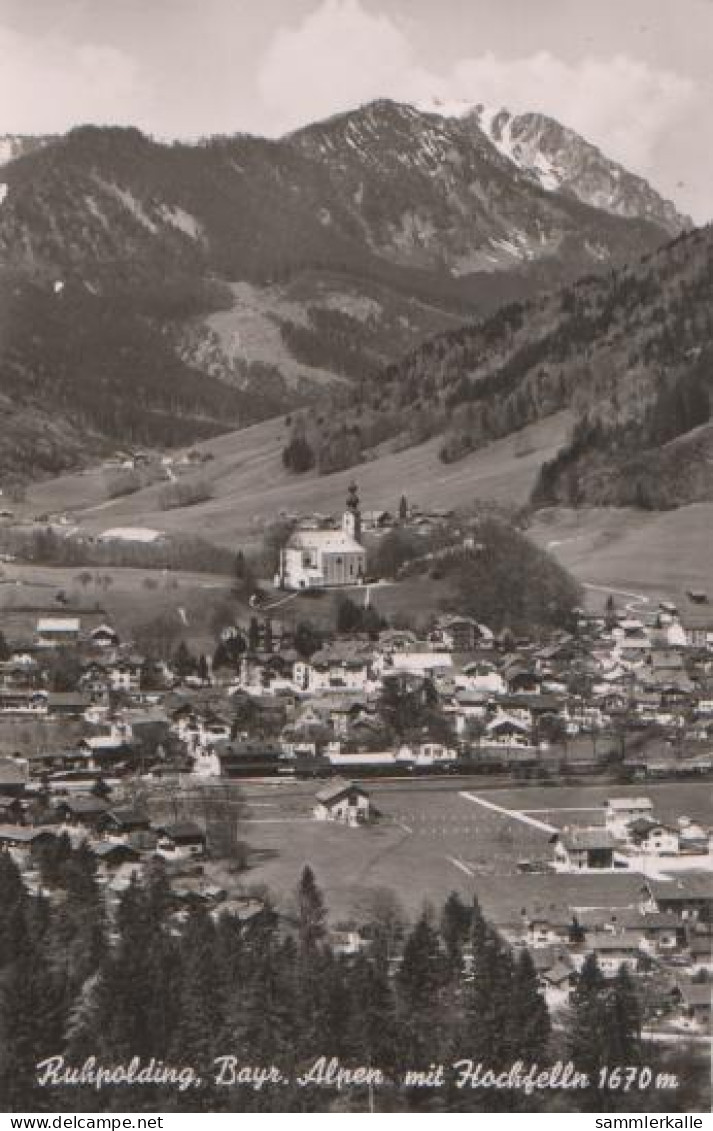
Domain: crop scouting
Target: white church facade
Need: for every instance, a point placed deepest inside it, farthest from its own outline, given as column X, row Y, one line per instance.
column 314, row 559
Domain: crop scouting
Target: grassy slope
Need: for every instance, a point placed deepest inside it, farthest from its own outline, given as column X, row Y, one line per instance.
column 655, row 553
column 648, row 552
column 251, row 487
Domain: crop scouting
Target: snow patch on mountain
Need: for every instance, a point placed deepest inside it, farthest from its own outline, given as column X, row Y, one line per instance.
column 558, row 159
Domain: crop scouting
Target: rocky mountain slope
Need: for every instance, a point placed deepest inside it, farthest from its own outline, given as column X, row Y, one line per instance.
column 561, row 160
column 265, row 269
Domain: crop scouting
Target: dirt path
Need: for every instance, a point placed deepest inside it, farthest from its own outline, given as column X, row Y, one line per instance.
column 634, row 598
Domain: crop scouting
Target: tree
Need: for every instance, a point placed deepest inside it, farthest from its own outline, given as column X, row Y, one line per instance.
column 624, row 1017
column 268, row 641
column 403, row 508
column 65, row 671
column 298, row 456
column 421, row 973
column 528, row 1016
column 348, row 615
column 244, row 576
column 253, row 634
column 307, row 639
column 588, row 1029
column 183, row 661
column 311, row 914
column 455, row 929
column 201, row 995
column 420, row 980
column 372, row 1015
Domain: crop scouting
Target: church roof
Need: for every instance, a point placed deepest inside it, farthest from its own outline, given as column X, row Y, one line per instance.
column 330, row 541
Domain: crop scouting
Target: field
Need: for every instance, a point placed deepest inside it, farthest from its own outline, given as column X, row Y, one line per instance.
column 430, row 840
column 643, row 554
column 653, row 554
column 250, row 486
column 129, row 598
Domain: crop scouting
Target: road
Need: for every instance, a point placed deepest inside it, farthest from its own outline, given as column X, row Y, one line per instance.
column 634, row 598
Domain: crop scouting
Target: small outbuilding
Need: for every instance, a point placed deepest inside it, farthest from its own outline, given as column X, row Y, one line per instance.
column 344, row 801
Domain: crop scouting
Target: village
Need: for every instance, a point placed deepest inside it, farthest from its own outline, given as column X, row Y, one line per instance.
column 575, row 770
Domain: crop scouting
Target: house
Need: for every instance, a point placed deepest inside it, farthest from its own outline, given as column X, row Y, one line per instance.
column 693, row 838
column 111, row 855
column 658, row 933
column 104, row 636
column 344, row 802
column 243, row 758
column 695, row 1007
column 700, row 948
column 504, row 730
column 688, row 896
column 20, row 841
column 85, row 811
column 68, row 704
column 57, row 632
column 11, row 810
column 583, row 850
column 22, row 701
column 125, row 674
column 118, row 824
column 181, row 840
column 13, row 777
column 421, row 663
column 341, row 667
column 313, row 559
column 613, row 951
column 653, row 837
column 105, row 751
column 460, row 634
column 558, row 982
column 548, row 926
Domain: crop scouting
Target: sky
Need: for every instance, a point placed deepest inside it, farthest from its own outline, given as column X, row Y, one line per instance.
column 633, row 76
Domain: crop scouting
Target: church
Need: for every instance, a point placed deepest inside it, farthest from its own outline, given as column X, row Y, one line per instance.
column 313, row 559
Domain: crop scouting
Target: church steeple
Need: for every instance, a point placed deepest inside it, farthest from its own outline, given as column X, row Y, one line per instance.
column 351, row 522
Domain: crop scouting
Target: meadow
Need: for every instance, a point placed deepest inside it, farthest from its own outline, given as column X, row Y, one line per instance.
column 429, row 840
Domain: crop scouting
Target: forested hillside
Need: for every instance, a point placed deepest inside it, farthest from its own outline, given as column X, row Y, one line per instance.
column 630, row 352
column 156, row 293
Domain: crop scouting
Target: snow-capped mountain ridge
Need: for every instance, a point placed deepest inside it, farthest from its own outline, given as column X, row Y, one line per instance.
column 560, row 160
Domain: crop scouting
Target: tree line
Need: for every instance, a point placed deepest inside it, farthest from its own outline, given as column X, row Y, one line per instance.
column 185, row 988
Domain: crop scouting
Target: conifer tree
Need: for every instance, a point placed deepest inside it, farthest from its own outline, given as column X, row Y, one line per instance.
column 624, row 1020
column 374, row 1031
column 528, row 1017
column 455, row 929
column 588, row 1037
column 311, row 914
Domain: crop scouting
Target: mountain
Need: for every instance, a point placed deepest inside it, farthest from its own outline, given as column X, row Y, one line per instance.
column 560, row 160
column 265, row 272
column 629, row 354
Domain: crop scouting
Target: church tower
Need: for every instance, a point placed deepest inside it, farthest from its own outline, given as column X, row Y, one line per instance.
column 351, row 522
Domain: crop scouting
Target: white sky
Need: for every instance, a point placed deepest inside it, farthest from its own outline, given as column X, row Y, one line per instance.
column 634, row 76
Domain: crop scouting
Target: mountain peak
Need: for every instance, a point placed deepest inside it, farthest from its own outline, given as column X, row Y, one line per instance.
column 558, row 159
